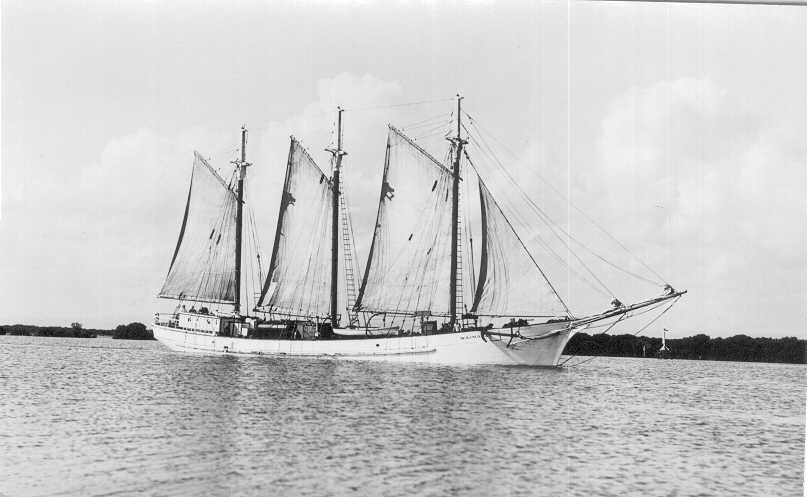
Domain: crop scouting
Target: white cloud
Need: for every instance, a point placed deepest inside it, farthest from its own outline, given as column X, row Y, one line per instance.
column 688, row 176
column 696, row 182
column 730, row 221
column 106, row 233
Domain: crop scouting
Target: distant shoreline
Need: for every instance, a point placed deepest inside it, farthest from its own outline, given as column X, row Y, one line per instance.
column 131, row 331
column 741, row 348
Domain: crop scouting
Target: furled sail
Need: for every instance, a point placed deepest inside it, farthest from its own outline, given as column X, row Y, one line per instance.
column 298, row 281
column 409, row 262
column 203, row 266
column 510, row 282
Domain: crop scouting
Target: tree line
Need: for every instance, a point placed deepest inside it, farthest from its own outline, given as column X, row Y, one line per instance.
column 131, row 331
column 701, row 346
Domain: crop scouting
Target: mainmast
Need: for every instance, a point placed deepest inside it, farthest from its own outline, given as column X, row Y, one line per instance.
column 241, row 167
column 455, row 193
column 337, row 154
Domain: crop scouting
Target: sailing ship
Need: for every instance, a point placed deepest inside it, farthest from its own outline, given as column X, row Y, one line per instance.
column 408, row 304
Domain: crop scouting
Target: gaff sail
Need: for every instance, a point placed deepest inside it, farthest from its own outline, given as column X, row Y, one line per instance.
column 298, row 280
column 203, row 265
column 408, row 267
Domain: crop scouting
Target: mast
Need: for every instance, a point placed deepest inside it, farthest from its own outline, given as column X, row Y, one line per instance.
column 239, row 217
column 455, row 193
column 337, row 153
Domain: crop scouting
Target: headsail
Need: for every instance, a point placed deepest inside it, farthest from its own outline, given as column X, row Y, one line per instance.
column 408, row 265
column 298, row 279
column 203, row 266
column 510, row 281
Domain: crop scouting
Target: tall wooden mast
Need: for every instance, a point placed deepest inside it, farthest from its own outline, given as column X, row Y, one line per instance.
column 239, row 216
column 455, row 194
column 337, row 165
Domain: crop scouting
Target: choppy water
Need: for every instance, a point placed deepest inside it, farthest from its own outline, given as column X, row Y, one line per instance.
column 109, row 417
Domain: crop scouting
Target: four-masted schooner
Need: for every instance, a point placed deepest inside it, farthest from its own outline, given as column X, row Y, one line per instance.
column 410, row 304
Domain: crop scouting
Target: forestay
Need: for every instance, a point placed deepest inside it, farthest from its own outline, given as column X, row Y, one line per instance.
column 409, row 262
column 203, row 265
column 298, row 280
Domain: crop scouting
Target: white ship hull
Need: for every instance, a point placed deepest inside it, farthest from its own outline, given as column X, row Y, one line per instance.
column 539, row 345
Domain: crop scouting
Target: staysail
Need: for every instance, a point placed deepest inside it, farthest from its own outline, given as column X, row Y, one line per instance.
column 203, row 266
column 298, row 281
column 510, row 282
column 408, row 265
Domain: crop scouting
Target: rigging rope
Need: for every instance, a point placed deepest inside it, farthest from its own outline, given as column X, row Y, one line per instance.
column 519, row 239
column 544, row 217
column 426, row 122
column 603, row 333
column 576, row 208
column 674, row 301
column 405, row 104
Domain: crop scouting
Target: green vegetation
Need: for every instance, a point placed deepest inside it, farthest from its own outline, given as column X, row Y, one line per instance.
column 131, row 331
column 736, row 348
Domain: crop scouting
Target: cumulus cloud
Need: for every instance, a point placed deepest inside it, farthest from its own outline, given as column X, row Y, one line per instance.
column 691, row 178
column 710, row 189
column 101, row 239
column 722, row 173
column 698, row 183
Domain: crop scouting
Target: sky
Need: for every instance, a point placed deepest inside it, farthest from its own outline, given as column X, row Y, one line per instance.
column 680, row 128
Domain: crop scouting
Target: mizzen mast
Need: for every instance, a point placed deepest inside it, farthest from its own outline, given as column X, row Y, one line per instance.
column 241, row 167
column 455, row 193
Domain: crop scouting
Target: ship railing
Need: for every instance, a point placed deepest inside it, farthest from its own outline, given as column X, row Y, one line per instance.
column 168, row 319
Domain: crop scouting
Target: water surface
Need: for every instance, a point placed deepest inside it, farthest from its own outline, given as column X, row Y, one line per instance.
column 95, row 417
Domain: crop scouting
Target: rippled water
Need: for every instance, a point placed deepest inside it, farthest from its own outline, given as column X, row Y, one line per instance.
column 108, row 417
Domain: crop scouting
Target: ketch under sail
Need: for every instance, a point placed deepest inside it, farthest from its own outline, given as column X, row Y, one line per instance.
column 203, row 266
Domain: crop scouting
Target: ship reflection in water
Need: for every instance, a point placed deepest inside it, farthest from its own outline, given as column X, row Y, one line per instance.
column 97, row 417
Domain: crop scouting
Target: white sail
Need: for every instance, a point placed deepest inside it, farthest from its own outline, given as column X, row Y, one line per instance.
column 510, row 282
column 409, row 260
column 298, row 282
column 203, row 265
column 422, row 237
